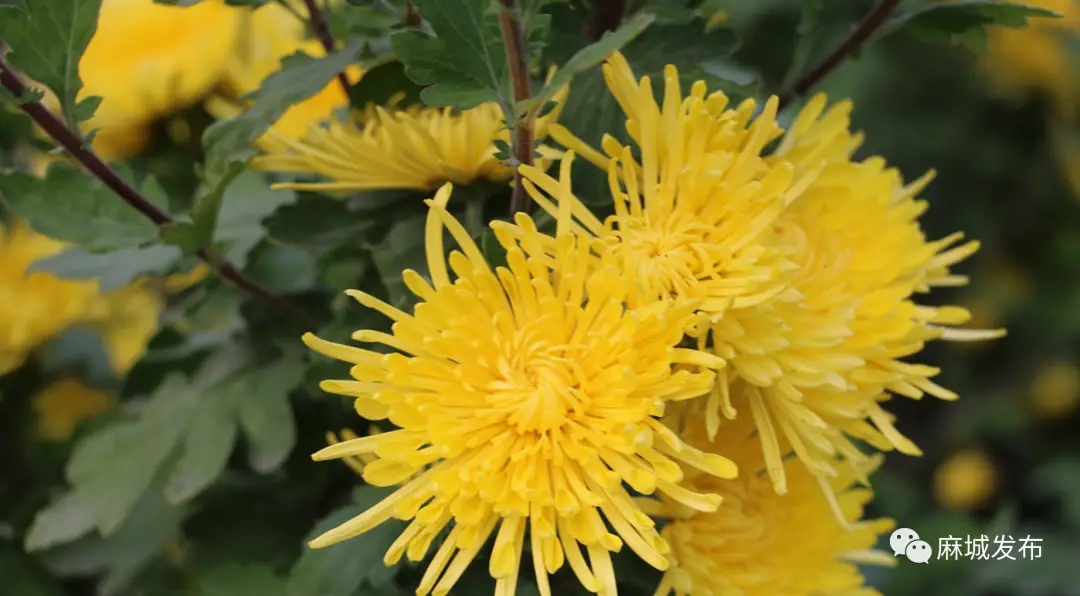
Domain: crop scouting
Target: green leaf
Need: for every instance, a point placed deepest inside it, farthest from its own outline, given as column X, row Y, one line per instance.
column 299, row 78
column 266, row 417
column 143, row 538
column 247, row 202
column 194, row 418
column 199, row 233
column 206, row 449
column 464, row 65
column 591, row 56
column 383, row 82
column 69, row 206
column 47, row 40
column 239, row 580
column 961, row 23
column 342, row 569
column 113, row 270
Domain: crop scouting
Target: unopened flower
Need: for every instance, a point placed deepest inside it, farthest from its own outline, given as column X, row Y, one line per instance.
column 526, row 397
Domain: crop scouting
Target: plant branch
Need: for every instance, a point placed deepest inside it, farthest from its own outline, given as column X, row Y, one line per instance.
column 870, row 23
column 322, row 31
column 514, row 41
column 412, row 17
column 74, row 143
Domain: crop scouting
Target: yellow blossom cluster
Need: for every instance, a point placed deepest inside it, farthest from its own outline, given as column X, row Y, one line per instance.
column 35, row 306
column 690, row 377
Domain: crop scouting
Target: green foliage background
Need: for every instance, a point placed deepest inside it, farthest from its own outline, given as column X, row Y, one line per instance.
column 201, row 484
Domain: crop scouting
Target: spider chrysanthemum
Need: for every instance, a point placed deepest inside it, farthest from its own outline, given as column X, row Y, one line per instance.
column 525, row 397
column 760, row 543
column 413, row 148
column 804, row 261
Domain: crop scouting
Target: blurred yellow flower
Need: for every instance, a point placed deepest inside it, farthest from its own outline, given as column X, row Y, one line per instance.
column 1038, row 56
column 760, row 543
column 526, row 397
column 267, row 35
column 147, row 59
column 62, row 405
column 415, row 148
column 805, row 262
column 35, row 306
column 966, row 480
column 1056, row 390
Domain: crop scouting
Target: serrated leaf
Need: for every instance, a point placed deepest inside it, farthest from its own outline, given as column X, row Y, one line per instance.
column 962, row 22
column 69, row 206
column 464, row 65
column 199, row 233
column 239, row 580
column 591, row 56
column 113, row 270
column 342, row 569
column 47, row 40
column 299, row 78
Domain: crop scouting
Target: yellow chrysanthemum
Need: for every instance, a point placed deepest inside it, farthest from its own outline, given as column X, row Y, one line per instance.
column 1038, row 56
column 965, row 481
column 526, row 397
column 414, row 148
column 760, row 543
column 35, row 306
column 269, row 34
column 61, row 406
column 804, row 261
column 146, row 59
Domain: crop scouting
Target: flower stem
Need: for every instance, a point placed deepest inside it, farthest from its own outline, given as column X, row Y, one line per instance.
column 322, row 31
column 514, row 41
column 74, row 143
column 870, row 23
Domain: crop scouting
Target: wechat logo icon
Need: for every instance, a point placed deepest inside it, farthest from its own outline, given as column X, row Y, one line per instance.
column 905, row 542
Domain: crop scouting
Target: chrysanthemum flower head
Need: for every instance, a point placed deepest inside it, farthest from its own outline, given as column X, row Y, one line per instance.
column 804, row 261
column 146, row 59
column 267, row 35
column 412, row 148
column 525, row 397
column 760, row 543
